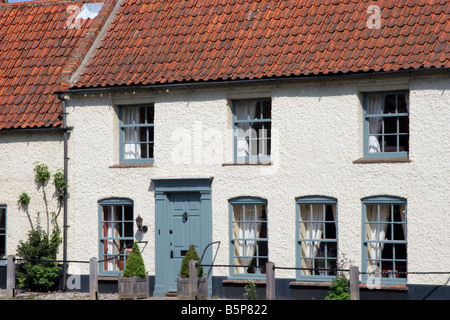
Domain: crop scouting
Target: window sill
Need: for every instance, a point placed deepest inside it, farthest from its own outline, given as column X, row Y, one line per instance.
column 382, row 160
column 108, row 278
column 132, row 165
column 390, row 287
column 247, row 164
column 310, row 284
column 243, row 281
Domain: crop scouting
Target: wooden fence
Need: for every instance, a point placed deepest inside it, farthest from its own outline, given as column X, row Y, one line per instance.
column 193, row 288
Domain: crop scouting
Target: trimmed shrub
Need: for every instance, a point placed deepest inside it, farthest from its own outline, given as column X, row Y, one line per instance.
column 191, row 254
column 135, row 263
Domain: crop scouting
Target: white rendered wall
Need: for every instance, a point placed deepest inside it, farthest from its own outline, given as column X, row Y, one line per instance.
column 19, row 152
column 317, row 127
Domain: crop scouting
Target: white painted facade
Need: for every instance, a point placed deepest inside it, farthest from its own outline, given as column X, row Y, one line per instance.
column 20, row 151
column 317, row 136
column 317, row 131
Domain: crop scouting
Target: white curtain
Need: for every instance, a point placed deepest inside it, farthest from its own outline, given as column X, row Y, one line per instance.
column 244, row 109
column 245, row 250
column 317, row 226
column 249, row 232
column 403, row 217
column 132, row 147
column 374, row 107
column 376, row 231
column 311, row 230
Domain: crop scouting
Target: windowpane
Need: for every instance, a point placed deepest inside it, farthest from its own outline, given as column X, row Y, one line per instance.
column 117, row 235
column 387, row 125
column 266, row 110
column 403, row 126
column 253, row 128
column 317, row 239
column 385, row 240
column 2, row 220
column 249, row 238
column 138, row 134
column 389, row 104
column 390, row 125
column 402, row 106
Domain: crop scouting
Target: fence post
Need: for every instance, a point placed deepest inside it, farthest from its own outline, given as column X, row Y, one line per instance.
column 93, row 279
column 193, row 279
column 10, row 277
column 270, row 281
column 354, row 283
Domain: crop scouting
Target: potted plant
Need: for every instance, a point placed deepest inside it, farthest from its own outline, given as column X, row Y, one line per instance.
column 183, row 277
column 134, row 282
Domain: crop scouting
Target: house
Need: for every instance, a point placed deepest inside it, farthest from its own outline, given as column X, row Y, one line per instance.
column 41, row 46
column 296, row 132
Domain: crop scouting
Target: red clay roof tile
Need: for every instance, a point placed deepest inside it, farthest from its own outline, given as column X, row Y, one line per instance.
column 193, row 40
column 169, row 41
column 35, row 45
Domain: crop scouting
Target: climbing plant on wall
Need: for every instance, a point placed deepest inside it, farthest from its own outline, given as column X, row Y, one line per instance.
column 39, row 271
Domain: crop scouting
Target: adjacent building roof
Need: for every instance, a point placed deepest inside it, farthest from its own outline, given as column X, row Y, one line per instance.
column 173, row 41
column 40, row 45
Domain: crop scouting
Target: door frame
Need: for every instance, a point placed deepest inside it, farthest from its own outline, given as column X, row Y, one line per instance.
column 162, row 187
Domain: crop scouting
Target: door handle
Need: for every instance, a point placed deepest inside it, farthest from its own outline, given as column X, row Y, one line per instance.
column 171, row 254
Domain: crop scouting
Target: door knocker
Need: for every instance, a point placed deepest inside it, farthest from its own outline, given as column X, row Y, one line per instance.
column 184, row 217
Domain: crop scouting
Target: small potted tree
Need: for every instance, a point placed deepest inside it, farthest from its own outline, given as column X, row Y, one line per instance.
column 183, row 277
column 134, row 282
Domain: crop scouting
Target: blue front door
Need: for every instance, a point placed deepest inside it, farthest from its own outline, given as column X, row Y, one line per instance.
column 183, row 216
column 185, row 219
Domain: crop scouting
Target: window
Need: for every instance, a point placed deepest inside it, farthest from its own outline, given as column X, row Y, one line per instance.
column 116, row 234
column 2, row 234
column 136, row 134
column 248, row 234
column 252, row 126
column 386, row 125
column 316, row 237
column 384, row 239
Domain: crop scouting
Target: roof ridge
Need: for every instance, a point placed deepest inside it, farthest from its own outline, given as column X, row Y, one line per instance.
column 83, row 48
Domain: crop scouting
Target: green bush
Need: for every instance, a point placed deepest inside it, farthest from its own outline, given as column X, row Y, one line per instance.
column 250, row 291
column 191, row 254
column 340, row 289
column 134, row 264
column 36, row 275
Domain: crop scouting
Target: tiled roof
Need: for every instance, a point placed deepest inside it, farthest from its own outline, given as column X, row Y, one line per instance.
column 38, row 44
column 175, row 41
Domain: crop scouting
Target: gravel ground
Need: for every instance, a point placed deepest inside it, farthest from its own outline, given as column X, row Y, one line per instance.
column 56, row 295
